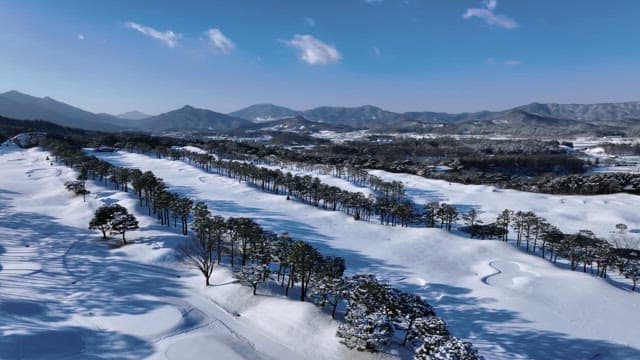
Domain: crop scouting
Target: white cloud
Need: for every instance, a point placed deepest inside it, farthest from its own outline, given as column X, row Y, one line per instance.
column 313, row 51
column 490, row 17
column 167, row 37
column 219, row 43
column 373, row 1
column 310, row 21
column 80, row 37
column 490, row 61
column 376, row 51
column 510, row 62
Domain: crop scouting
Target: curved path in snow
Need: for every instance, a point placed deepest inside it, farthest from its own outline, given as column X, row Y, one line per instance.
column 508, row 275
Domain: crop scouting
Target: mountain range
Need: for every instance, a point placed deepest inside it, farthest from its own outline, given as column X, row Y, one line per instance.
column 367, row 116
column 583, row 118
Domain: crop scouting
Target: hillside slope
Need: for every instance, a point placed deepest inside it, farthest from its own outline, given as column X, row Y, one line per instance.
column 510, row 304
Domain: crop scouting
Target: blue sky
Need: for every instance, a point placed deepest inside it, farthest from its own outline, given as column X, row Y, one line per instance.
column 402, row 55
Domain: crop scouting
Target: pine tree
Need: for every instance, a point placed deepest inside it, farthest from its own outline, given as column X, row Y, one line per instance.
column 365, row 330
column 78, row 188
column 407, row 309
column 368, row 324
column 446, row 348
column 632, row 271
column 430, row 213
column 427, row 331
column 103, row 217
column 329, row 287
column 470, row 218
column 123, row 222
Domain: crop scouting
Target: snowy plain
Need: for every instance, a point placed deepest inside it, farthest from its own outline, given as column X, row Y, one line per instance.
column 511, row 305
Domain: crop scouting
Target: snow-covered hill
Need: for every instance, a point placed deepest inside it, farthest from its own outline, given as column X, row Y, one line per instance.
column 510, row 304
column 65, row 294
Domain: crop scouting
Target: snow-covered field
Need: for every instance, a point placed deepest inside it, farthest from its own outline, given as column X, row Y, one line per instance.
column 570, row 213
column 66, row 294
column 510, row 304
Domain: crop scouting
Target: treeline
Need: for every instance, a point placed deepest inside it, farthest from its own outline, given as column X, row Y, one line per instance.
column 11, row 127
column 589, row 184
column 621, row 149
column 151, row 191
column 526, row 165
column 374, row 311
column 389, row 205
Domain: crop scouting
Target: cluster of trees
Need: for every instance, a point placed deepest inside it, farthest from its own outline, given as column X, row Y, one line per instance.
column 621, row 149
column 587, row 184
column 534, row 234
column 255, row 254
column 77, row 187
column 114, row 219
column 581, row 250
column 374, row 311
column 441, row 214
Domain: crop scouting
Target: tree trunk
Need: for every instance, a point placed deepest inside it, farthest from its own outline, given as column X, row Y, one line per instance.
column 406, row 335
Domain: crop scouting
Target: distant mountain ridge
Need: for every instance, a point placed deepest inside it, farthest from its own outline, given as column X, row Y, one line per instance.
column 190, row 118
column 587, row 112
column 133, row 115
column 21, row 106
column 264, row 112
column 16, row 105
column 604, row 118
column 368, row 116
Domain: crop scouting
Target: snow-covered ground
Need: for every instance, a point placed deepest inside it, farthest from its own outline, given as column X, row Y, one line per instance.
column 510, row 304
column 190, row 148
column 570, row 213
column 66, row 294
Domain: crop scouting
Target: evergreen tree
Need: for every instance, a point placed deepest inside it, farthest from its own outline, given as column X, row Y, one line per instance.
column 123, row 222
column 471, row 218
column 365, row 330
column 632, row 271
column 446, row 348
column 103, row 217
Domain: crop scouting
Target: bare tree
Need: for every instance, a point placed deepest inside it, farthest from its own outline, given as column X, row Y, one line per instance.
column 198, row 252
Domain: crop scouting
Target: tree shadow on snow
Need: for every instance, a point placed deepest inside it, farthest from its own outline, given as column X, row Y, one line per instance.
column 79, row 276
column 73, row 343
column 502, row 334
